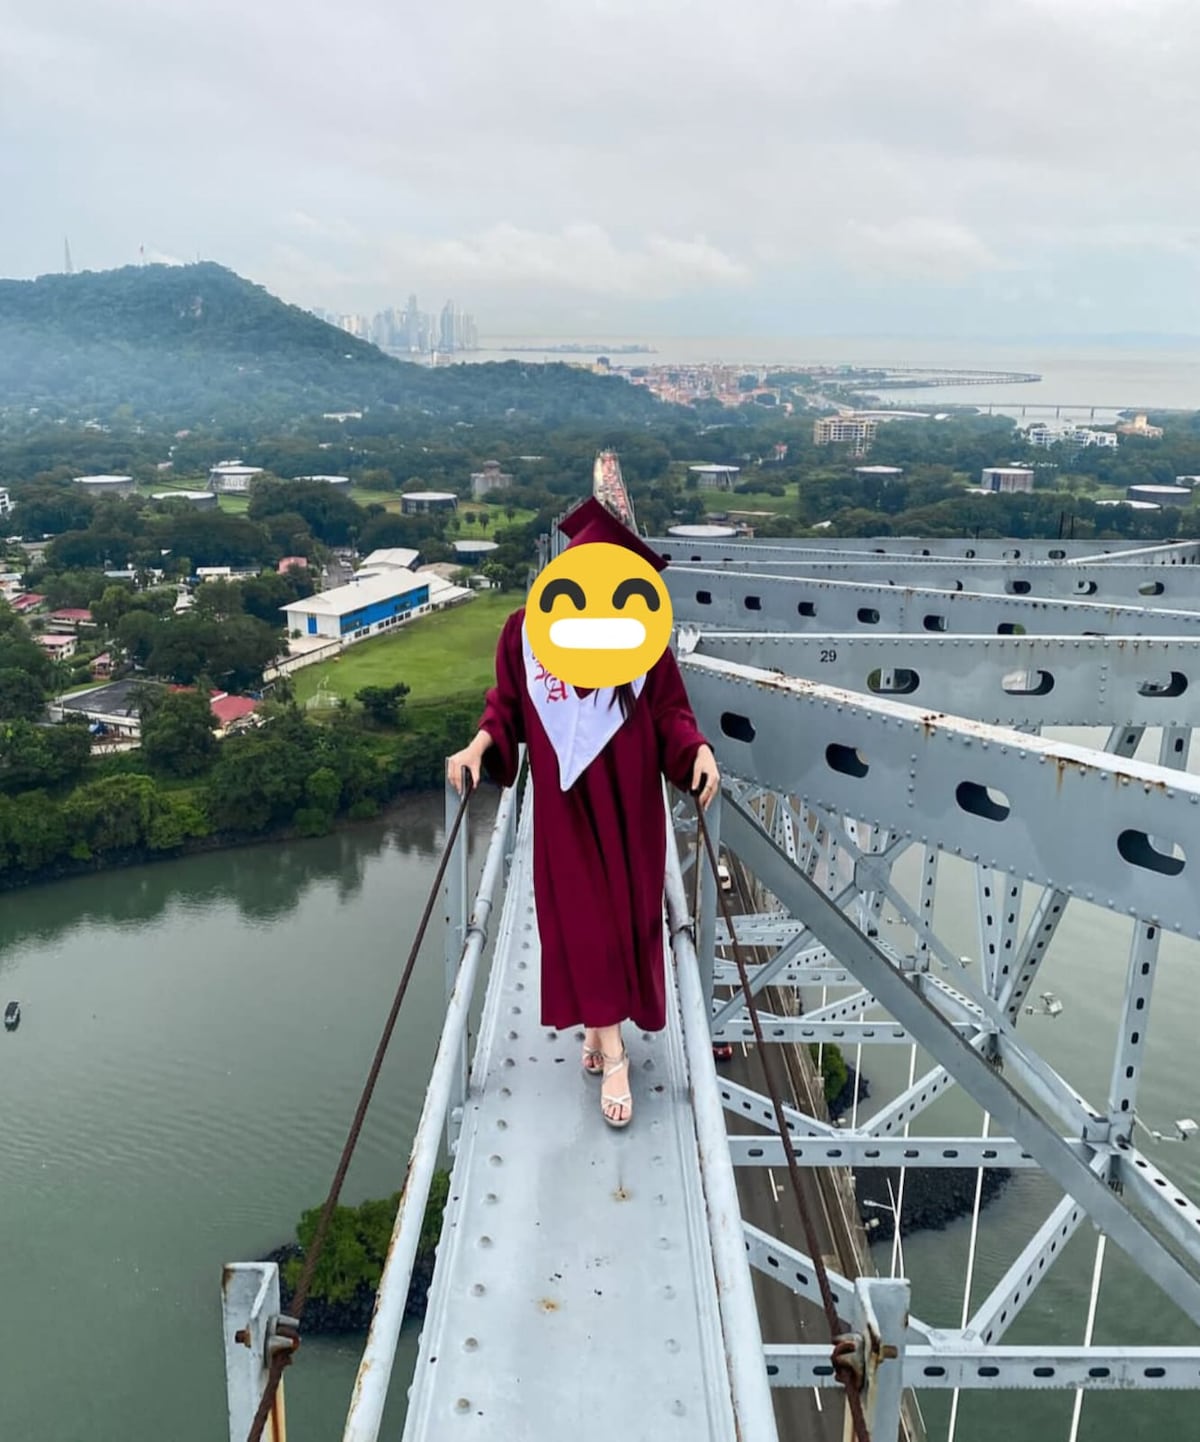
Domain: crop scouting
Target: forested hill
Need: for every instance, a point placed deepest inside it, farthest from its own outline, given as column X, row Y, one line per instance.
column 197, row 343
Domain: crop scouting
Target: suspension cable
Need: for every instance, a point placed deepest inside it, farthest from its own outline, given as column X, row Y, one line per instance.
column 836, row 1327
column 282, row 1359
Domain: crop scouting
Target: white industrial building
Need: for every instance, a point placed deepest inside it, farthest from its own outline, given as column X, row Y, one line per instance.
column 715, row 478
column 1160, row 495
column 106, row 485
column 416, row 503
column 1007, row 478
column 389, row 558
column 473, row 552
column 702, row 532
column 201, row 500
column 6, row 503
column 231, row 477
column 369, row 605
column 341, row 483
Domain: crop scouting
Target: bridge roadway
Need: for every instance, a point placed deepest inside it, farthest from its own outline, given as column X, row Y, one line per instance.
column 574, row 1287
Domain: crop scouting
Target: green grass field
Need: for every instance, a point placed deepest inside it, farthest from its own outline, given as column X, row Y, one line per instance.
column 468, row 511
column 235, row 505
column 725, row 501
column 439, row 657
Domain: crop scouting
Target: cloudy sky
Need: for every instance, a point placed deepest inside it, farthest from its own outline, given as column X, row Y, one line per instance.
column 648, row 167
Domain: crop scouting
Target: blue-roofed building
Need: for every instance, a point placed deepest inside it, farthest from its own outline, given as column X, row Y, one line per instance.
column 361, row 608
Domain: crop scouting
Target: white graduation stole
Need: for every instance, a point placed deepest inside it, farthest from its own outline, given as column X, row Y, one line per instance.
column 579, row 727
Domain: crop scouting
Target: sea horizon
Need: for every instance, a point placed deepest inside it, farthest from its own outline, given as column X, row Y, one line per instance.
column 1075, row 375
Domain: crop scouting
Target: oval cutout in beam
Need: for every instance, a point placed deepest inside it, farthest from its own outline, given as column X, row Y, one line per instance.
column 868, row 616
column 703, row 598
column 846, row 760
column 899, row 681
column 1151, row 588
column 736, row 727
column 1176, row 685
column 1029, row 682
column 1139, row 850
column 982, row 801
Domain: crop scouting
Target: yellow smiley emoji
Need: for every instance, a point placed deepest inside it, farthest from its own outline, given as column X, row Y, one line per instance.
column 598, row 615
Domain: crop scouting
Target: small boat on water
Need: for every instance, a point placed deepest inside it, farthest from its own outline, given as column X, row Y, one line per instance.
column 12, row 1016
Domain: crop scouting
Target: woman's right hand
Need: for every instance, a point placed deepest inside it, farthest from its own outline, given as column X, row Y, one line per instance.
column 470, row 758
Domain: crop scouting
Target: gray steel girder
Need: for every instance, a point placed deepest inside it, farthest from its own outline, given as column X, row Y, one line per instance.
column 1096, row 1369
column 717, row 599
column 1144, row 584
column 999, row 680
column 1011, row 1113
column 1078, row 820
column 988, row 548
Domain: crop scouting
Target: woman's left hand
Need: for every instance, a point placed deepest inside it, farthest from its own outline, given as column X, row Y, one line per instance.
column 705, row 769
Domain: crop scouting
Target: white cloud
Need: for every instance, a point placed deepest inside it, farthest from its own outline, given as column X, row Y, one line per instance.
column 917, row 248
column 581, row 258
column 621, row 152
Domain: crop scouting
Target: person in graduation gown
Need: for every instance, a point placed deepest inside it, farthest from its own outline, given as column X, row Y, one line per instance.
column 599, row 827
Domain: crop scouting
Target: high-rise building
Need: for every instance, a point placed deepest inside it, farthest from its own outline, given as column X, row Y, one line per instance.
column 858, row 430
column 448, row 336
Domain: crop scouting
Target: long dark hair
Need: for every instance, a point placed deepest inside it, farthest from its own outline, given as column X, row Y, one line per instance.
column 624, row 694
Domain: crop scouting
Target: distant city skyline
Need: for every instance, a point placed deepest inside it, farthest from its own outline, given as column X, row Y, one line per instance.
column 449, row 331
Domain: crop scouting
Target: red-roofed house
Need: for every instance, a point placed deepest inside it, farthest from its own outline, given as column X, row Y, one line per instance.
column 69, row 618
column 228, row 710
column 60, row 647
column 27, row 602
column 101, row 665
column 289, row 561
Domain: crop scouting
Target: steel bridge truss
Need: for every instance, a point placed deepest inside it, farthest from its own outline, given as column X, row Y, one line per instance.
column 844, row 753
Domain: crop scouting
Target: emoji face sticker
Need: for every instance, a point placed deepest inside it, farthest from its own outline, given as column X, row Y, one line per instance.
column 598, row 615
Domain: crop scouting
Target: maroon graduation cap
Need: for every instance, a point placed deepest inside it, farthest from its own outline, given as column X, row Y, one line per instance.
column 591, row 523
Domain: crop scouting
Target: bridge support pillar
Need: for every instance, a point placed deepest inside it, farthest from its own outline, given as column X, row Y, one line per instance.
column 881, row 1321
column 249, row 1316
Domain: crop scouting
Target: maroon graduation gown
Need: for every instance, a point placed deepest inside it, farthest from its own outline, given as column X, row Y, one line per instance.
column 599, row 849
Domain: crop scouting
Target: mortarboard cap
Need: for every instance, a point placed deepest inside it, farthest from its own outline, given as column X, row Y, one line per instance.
column 591, row 523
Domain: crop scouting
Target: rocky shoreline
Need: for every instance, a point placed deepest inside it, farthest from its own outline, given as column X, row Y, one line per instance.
column 933, row 1196
column 334, row 1318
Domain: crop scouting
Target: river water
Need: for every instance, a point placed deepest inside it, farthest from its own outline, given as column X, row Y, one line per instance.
column 194, row 1039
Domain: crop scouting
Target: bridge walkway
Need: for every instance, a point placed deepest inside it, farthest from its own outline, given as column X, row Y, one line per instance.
column 575, row 1278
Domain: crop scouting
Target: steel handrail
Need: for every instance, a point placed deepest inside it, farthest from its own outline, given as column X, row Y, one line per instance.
column 365, row 1416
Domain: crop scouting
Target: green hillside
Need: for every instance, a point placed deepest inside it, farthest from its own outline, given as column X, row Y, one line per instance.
column 198, row 345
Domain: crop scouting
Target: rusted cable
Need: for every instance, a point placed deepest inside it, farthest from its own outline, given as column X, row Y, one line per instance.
column 843, row 1362
column 282, row 1359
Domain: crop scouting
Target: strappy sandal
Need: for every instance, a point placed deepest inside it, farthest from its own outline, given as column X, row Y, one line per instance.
column 592, row 1056
column 622, row 1101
